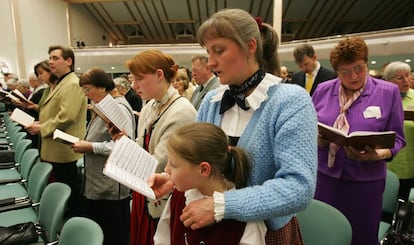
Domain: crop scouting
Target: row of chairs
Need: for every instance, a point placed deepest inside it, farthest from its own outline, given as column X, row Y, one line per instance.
column 322, row 223
column 25, row 194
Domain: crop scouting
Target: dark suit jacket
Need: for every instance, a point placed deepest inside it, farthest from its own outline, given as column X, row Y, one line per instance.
column 198, row 96
column 324, row 74
column 134, row 100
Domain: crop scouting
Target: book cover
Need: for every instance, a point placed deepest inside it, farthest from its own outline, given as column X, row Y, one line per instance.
column 21, row 117
column 358, row 139
column 64, row 138
column 409, row 114
column 131, row 165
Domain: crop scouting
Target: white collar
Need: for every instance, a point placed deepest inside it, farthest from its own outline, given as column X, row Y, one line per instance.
column 258, row 95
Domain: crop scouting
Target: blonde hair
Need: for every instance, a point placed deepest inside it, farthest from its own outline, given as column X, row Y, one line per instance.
column 147, row 62
column 183, row 76
column 206, row 142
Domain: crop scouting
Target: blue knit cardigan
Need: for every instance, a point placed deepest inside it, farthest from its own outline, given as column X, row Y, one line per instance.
column 281, row 141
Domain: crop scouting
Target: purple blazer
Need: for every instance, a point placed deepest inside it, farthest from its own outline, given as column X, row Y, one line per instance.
column 379, row 96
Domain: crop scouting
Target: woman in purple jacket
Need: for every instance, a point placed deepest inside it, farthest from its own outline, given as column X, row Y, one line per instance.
column 353, row 180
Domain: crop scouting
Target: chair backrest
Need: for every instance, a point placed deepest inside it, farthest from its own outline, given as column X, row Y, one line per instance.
column 321, row 223
column 52, row 206
column 81, row 231
column 390, row 195
column 38, row 180
column 21, row 147
column 17, row 137
column 28, row 160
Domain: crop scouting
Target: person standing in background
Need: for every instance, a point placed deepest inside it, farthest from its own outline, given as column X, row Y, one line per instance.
column 204, row 77
column 64, row 108
column 312, row 73
column 353, row 180
column 403, row 163
column 106, row 201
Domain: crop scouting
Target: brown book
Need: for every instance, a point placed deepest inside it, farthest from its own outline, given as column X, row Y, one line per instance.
column 409, row 114
column 358, row 139
column 64, row 138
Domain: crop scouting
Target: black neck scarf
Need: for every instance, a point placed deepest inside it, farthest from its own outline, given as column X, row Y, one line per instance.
column 235, row 95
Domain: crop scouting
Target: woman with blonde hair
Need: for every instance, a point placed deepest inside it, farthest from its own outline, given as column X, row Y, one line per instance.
column 182, row 84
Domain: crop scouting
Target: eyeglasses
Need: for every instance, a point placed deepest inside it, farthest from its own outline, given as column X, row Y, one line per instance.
column 86, row 89
column 348, row 72
column 196, row 69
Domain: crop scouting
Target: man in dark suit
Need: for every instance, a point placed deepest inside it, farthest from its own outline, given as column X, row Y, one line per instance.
column 204, row 77
column 312, row 73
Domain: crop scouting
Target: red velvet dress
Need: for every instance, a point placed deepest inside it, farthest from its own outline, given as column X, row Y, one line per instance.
column 227, row 232
column 143, row 226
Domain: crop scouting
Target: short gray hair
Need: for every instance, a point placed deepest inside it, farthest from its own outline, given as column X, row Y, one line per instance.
column 392, row 68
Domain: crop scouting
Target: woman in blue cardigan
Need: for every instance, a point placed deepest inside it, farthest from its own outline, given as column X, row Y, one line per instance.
column 274, row 123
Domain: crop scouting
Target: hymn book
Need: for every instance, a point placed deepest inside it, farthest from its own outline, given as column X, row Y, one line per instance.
column 21, row 117
column 20, row 96
column 108, row 110
column 8, row 97
column 64, row 138
column 358, row 139
column 132, row 166
column 409, row 114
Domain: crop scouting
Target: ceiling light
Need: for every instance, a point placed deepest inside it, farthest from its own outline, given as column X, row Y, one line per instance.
column 113, row 68
column 373, row 62
column 407, row 60
column 78, row 68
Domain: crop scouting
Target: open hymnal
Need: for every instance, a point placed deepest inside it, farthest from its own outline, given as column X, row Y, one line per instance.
column 8, row 97
column 358, row 139
column 64, row 138
column 108, row 110
column 20, row 96
column 131, row 165
column 21, row 117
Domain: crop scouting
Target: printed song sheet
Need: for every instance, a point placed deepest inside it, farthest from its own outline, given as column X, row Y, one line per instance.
column 108, row 110
column 131, row 165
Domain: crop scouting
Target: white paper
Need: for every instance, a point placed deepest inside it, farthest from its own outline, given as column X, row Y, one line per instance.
column 131, row 165
column 372, row 112
column 109, row 107
column 21, row 117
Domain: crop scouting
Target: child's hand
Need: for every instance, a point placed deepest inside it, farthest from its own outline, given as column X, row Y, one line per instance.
column 161, row 184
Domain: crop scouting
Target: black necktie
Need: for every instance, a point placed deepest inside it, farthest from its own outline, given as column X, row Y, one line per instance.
column 235, row 94
column 201, row 88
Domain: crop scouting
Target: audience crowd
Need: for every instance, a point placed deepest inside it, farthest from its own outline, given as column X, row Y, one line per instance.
column 235, row 136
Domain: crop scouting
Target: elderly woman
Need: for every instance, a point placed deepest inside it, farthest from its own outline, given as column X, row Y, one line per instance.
column 399, row 73
column 106, row 201
column 349, row 179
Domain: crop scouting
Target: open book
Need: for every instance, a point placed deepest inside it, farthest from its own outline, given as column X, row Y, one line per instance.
column 108, row 110
column 8, row 97
column 64, row 138
column 358, row 139
column 20, row 96
column 21, row 117
column 131, row 165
